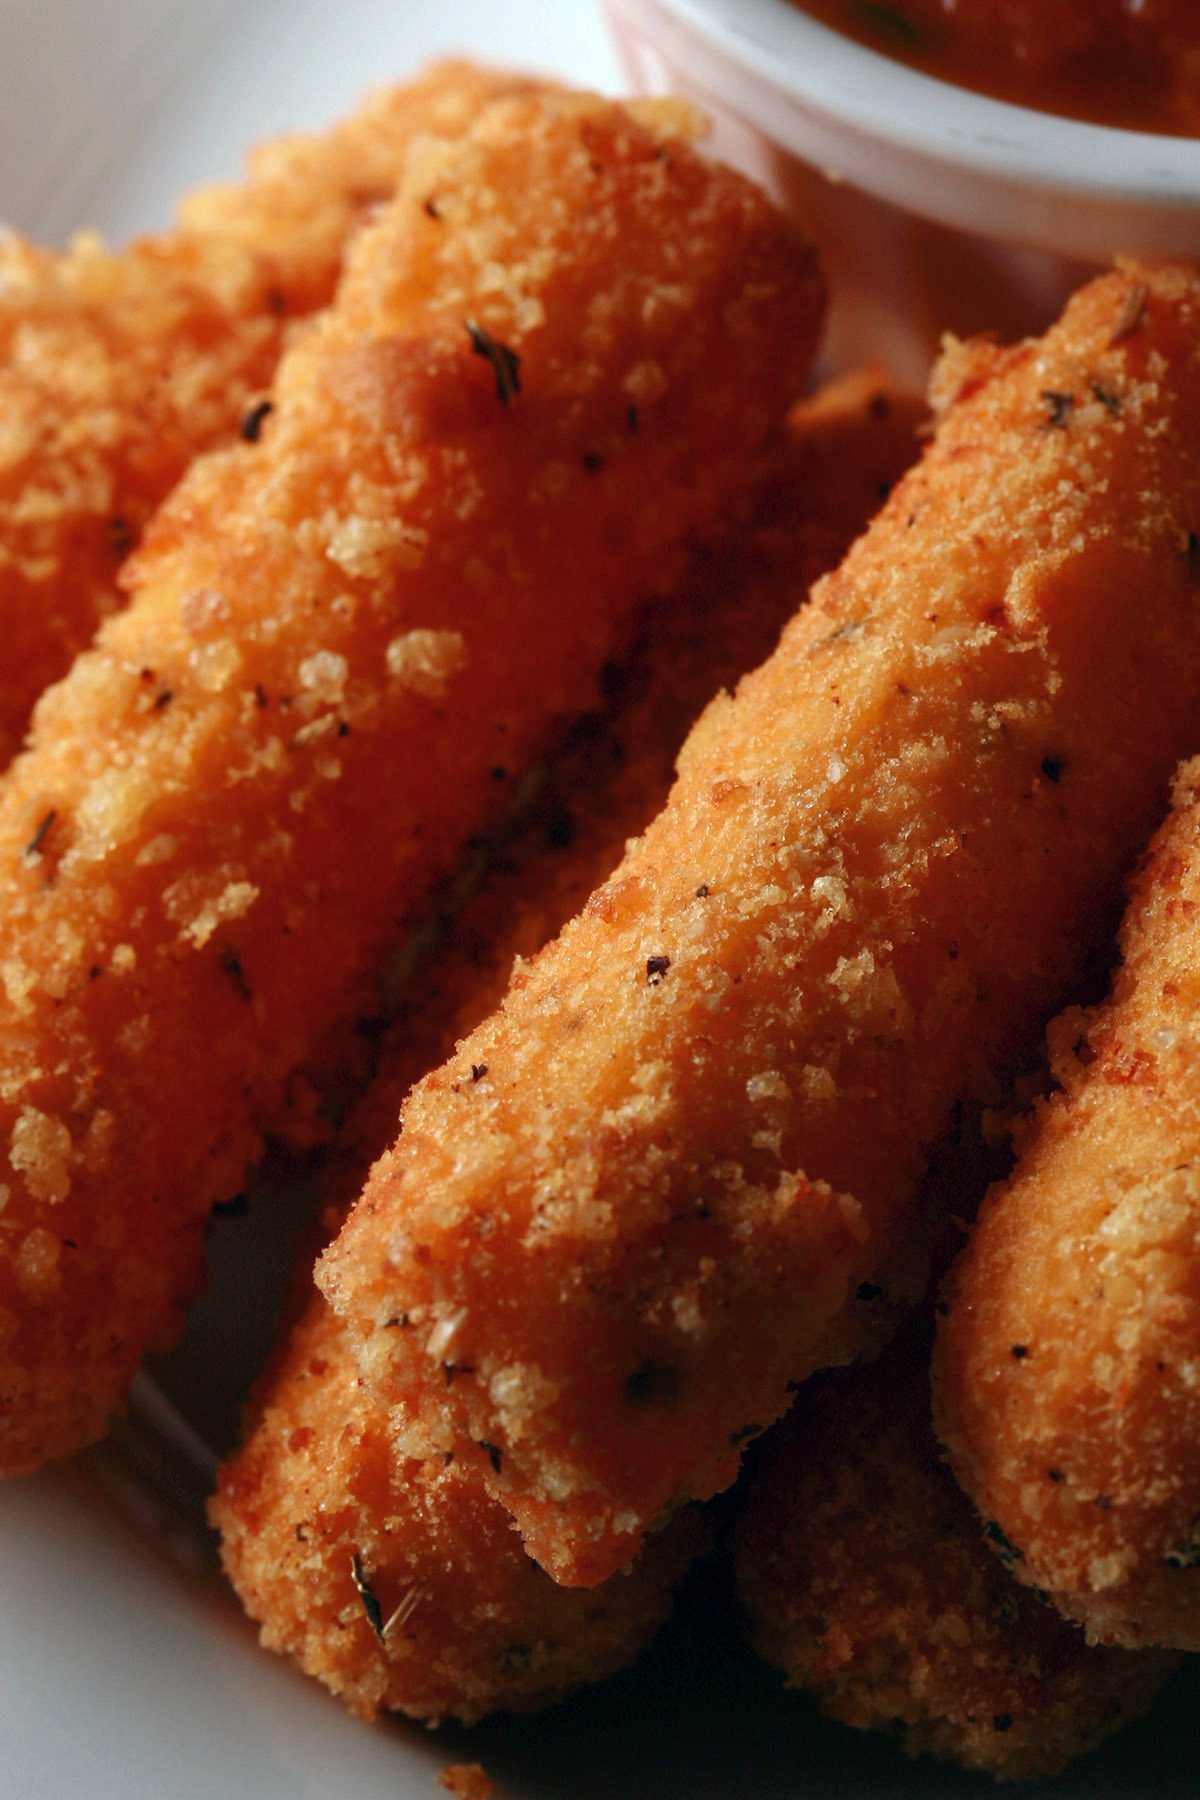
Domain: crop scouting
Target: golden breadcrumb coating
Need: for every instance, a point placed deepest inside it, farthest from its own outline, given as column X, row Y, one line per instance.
column 864, row 1576
column 709, row 1102
column 401, row 1584
column 117, row 368
column 1068, row 1366
column 314, row 1482
column 821, row 478
column 337, row 636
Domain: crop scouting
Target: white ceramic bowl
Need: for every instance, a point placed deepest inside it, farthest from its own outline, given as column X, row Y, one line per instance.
column 935, row 208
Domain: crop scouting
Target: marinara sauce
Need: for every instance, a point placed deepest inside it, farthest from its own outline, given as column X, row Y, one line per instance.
column 1133, row 63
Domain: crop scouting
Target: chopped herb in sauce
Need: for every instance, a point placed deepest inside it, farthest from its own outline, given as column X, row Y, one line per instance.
column 889, row 23
column 655, row 1384
column 237, row 1208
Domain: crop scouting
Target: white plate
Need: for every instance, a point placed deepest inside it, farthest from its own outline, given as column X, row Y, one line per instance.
column 125, row 1666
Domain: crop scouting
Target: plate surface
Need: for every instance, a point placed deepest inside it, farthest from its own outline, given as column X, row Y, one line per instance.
column 125, row 1666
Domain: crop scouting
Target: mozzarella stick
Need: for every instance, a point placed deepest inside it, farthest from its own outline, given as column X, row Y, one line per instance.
column 627, row 1213
column 316, row 1503
column 1069, row 1356
column 117, row 368
column 342, row 641
column 864, row 1576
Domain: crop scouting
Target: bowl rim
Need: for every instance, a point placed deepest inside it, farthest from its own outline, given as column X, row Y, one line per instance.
column 833, row 78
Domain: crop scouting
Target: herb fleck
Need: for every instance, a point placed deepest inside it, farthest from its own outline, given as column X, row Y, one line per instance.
column 506, row 364
column 1059, row 408
column 36, row 841
column 252, row 423
column 371, row 1605
column 656, row 968
column 1052, row 767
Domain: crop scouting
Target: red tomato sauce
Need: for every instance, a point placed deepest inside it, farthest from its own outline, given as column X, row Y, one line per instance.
column 1133, row 63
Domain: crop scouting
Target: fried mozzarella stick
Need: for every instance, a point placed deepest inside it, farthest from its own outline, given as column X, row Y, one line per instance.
column 342, row 640
column 117, row 368
column 864, row 1576
column 705, row 1109
column 317, row 1482
column 1069, row 1362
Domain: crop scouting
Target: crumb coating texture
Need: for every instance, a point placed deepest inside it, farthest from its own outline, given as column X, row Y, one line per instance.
column 710, row 1102
column 117, row 368
column 1069, row 1361
column 233, row 799
column 864, row 1576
